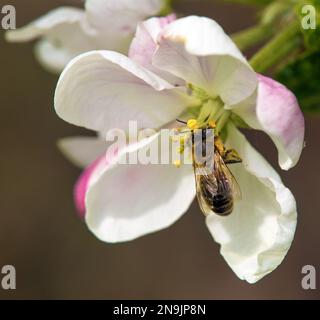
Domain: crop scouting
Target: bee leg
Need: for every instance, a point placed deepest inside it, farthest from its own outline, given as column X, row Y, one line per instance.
column 231, row 156
column 219, row 145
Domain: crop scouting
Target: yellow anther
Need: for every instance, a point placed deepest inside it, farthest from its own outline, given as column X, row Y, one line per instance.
column 212, row 124
column 177, row 163
column 192, row 124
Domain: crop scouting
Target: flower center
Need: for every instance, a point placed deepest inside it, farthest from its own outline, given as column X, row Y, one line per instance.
column 210, row 113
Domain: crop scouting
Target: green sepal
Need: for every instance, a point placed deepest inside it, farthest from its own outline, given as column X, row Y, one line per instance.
column 239, row 122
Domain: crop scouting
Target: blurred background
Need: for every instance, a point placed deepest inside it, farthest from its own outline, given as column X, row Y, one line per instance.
column 56, row 257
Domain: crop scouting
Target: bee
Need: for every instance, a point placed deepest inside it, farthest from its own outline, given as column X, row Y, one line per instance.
column 217, row 188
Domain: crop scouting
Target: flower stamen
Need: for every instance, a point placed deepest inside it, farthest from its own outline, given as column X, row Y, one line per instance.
column 192, row 124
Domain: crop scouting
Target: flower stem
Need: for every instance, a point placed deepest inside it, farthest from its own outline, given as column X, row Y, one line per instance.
column 278, row 48
column 247, row 38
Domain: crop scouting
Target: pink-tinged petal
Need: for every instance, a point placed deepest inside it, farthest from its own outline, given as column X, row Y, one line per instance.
column 88, row 176
column 198, row 50
column 275, row 110
column 144, row 43
column 144, row 46
column 81, row 186
column 128, row 201
column 280, row 115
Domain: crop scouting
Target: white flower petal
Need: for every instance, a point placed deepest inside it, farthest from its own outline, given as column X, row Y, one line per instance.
column 275, row 110
column 256, row 237
column 82, row 151
column 83, row 183
column 144, row 44
column 51, row 57
column 103, row 90
column 65, row 33
column 63, row 37
column 44, row 25
column 120, row 15
column 129, row 201
column 197, row 50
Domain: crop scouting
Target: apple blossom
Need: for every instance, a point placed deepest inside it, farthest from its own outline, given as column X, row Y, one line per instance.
column 66, row 32
column 173, row 68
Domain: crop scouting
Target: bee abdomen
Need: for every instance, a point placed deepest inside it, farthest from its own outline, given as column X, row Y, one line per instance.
column 220, row 202
column 222, row 205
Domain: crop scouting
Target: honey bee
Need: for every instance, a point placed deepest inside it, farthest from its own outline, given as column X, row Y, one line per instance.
column 217, row 188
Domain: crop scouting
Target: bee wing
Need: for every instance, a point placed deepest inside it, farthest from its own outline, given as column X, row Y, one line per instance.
column 227, row 179
column 218, row 180
column 209, row 180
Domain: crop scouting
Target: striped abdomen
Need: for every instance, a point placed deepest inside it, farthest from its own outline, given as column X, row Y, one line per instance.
column 218, row 196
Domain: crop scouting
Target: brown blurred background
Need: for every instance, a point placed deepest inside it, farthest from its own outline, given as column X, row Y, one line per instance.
column 56, row 257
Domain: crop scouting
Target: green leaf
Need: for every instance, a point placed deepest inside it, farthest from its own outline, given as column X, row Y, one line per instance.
column 302, row 77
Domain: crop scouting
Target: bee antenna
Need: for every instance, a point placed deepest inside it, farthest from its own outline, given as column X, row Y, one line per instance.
column 180, row 121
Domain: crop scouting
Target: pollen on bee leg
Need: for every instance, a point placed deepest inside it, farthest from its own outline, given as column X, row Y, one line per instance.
column 219, row 145
column 212, row 124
